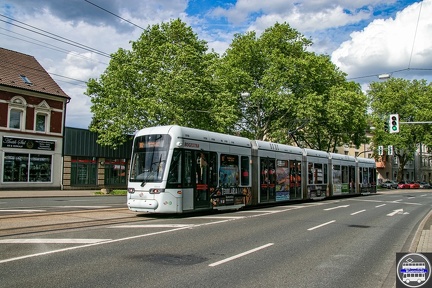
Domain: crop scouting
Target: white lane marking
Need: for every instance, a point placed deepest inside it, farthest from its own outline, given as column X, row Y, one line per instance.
column 381, row 201
column 411, row 197
column 220, row 217
column 398, row 211
column 51, row 241
column 21, row 210
column 380, row 205
column 240, row 255
column 337, row 207
column 88, row 245
column 315, row 204
column 153, row 226
column 264, row 211
column 313, row 228
column 357, row 212
column 93, row 207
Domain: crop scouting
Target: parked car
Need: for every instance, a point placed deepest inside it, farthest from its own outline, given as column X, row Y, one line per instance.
column 389, row 184
column 425, row 185
column 414, row 185
column 403, row 185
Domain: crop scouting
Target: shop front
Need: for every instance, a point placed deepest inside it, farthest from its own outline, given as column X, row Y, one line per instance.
column 30, row 162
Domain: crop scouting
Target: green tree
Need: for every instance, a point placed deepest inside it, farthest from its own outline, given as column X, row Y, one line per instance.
column 293, row 94
column 166, row 78
column 409, row 99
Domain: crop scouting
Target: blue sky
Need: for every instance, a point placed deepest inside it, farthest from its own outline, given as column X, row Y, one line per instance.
column 362, row 37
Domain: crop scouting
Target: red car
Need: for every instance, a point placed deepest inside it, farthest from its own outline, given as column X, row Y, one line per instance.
column 403, row 185
column 414, row 185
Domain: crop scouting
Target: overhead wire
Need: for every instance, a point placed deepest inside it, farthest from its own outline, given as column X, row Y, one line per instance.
column 415, row 34
column 114, row 14
column 52, row 36
column 49, row 46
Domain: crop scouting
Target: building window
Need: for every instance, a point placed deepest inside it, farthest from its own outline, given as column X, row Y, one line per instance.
column 115, row 171
column 20, row 167
column 26, row 80
column 17, row 108
column 40, row 168
column 15, row 117
column 84, row 171
column 41, row 123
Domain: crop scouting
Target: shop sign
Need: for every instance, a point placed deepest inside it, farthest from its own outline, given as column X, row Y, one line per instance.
column 10, row 142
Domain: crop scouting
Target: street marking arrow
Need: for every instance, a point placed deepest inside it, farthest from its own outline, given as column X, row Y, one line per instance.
column 398, row 211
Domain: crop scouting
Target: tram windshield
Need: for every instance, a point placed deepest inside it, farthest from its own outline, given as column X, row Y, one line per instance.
column 149, row 158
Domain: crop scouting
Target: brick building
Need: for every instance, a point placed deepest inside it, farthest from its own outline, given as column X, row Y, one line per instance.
column 32, row 120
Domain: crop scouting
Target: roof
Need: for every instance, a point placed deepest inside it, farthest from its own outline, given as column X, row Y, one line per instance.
column 24, row 72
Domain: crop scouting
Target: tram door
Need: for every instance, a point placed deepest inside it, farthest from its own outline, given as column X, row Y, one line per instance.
column 268, row 180
column 202, row 173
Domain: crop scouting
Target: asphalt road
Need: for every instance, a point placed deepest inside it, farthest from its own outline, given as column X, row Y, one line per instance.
column 348, row 242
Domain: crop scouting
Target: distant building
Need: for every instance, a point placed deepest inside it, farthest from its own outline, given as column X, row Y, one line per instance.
column 32, row 119
column 88, row 165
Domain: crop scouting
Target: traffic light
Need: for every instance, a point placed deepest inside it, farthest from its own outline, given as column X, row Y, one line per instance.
column 390, row 150
column 394, row 123
column 386, row 126
column 380, row 150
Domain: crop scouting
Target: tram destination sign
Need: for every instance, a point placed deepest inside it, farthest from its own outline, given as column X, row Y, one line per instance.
column 22, row 143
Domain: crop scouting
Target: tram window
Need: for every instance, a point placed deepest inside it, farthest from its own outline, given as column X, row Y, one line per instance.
column 365, row 175
column 325, row 180
column 345, row 174
column 213, row 164
column 187, row 180
column 229, row 170
column 310, row 173
column 201, row 168
column 295, row 173
column 371, row 175
column 352, row 175
column 174, row 175
column 244, row 170
column 337, row 174
column 318, row 173
column 282, row 175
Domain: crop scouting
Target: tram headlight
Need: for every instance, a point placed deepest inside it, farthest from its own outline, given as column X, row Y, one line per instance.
column 156, row 190
column 131, row 190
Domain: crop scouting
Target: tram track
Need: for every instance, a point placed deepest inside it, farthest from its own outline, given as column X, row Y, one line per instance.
column 16, row 225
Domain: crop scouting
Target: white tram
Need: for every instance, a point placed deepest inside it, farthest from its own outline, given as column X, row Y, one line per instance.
column 178, row 169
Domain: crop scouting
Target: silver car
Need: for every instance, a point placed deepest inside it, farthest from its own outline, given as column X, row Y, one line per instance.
column 389, row 184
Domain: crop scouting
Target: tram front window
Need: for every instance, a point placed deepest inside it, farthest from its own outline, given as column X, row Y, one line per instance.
column 149, row 158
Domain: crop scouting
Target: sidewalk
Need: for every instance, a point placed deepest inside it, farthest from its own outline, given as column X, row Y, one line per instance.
column 47, row 193
column 422, row 241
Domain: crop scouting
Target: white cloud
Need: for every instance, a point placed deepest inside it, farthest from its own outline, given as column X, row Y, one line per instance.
column 302, row 15
column 385, row 45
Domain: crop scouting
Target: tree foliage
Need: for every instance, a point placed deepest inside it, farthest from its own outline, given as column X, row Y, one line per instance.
column 294, row 95
column 164, row 79
column 169, row 77
column 409, row 99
